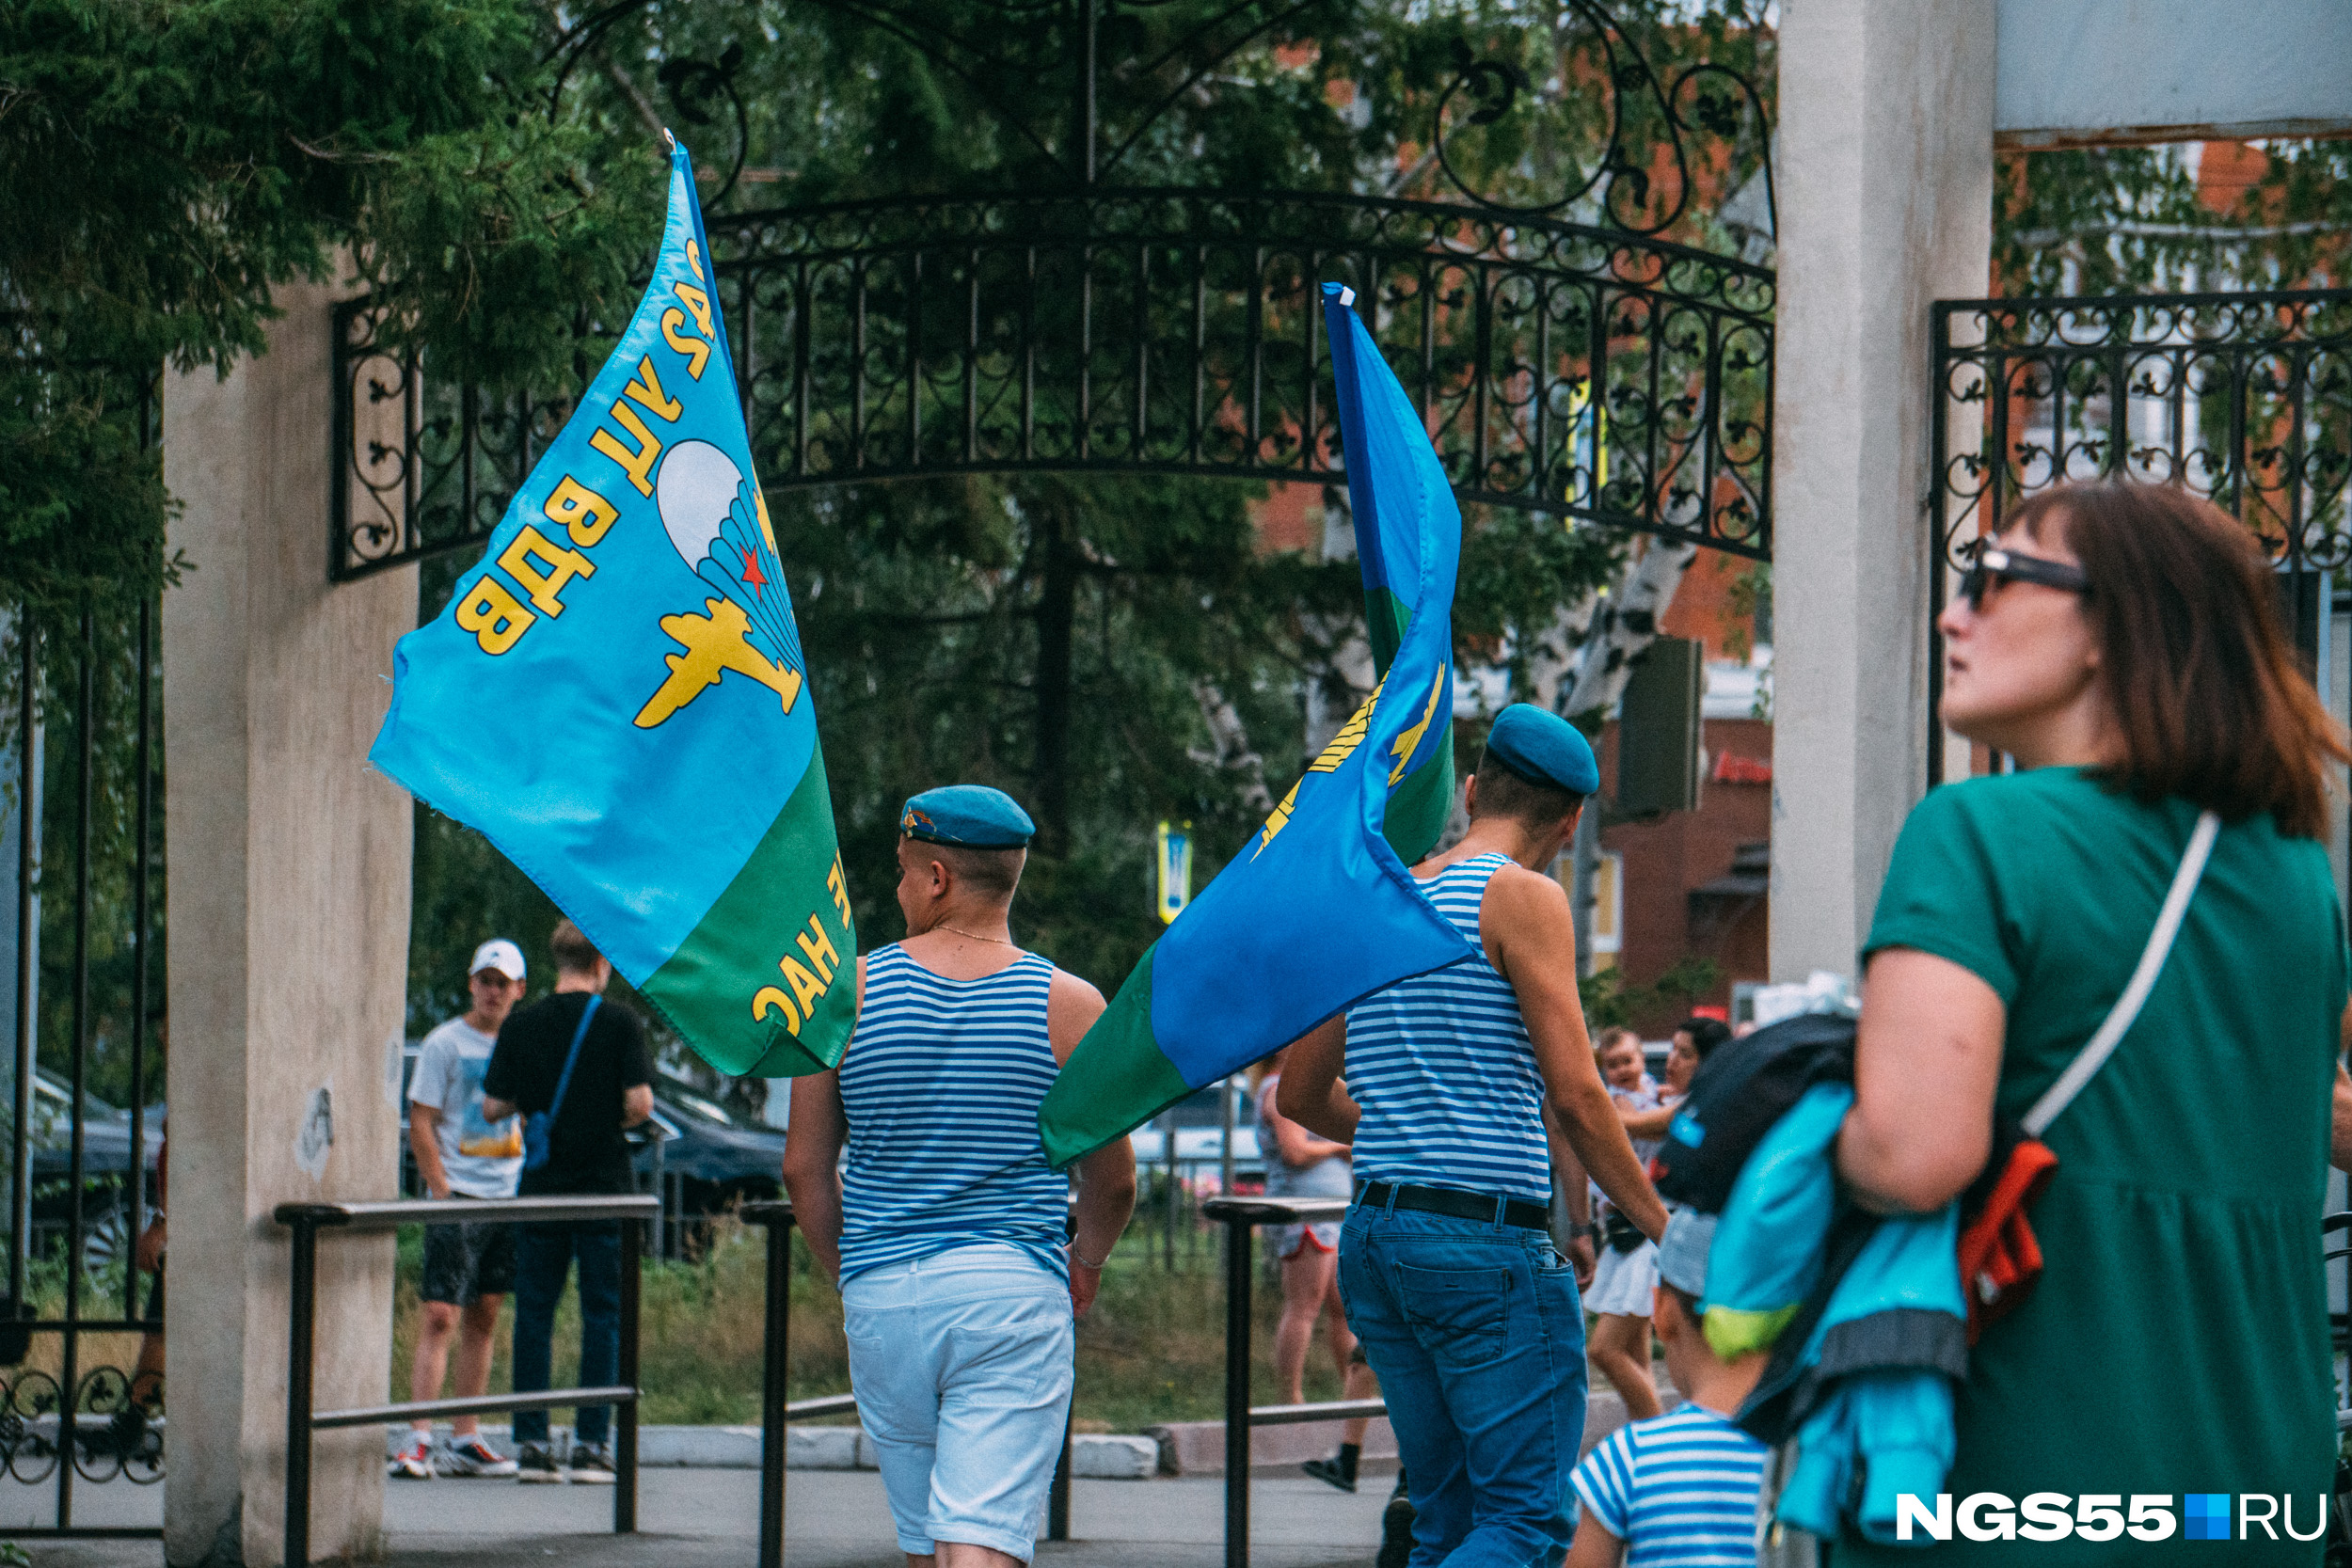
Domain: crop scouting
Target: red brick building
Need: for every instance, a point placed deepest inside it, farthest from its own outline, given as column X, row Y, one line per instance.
column 1692, row 884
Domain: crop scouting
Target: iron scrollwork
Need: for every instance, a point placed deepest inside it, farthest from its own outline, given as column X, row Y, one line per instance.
column 2243, row 398
column 696, row 87
column 1599, row 373
column 1708, row 97
column 1595, row 376
column 423, row 466
column 116, row 1423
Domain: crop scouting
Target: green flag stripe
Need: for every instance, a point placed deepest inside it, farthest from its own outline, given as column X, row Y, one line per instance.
column 780, row 940
column 1127, row 1078
column 1385, row 617
column 1418, row 810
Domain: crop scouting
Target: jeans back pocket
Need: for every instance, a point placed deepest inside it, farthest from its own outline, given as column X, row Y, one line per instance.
column 1461, row 1316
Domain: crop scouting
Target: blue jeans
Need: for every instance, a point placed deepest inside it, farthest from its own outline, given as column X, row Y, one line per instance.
column 542, row 1256
column 1476, row 1331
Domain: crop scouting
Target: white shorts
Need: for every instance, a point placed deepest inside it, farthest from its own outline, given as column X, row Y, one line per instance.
column 1624, row 1283
column 961, row 1362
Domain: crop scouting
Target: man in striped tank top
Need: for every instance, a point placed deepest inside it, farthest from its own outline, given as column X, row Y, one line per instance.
column 945, row 1229
column 1463, row 1306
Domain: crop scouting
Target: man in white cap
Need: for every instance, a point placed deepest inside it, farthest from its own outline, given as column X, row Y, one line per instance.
column 469, row 1269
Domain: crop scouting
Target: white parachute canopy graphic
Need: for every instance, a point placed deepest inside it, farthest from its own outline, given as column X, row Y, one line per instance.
column 719, row 527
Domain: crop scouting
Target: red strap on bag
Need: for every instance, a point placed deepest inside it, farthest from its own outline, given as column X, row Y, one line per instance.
column 2000, row 1258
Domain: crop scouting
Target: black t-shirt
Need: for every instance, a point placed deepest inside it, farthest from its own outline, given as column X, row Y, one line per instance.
column 586, row 1153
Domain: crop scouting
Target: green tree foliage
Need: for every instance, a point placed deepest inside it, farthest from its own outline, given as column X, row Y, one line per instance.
column 166, row 164
column 1066, row 638
column 2132, row 220
column 1112, row 650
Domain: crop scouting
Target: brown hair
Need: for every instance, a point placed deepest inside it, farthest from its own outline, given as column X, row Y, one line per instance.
column 1503, row 792
column 1690, row 1305
column 1610, row 1037
column 994, row 873
column 574, row 953
column 2209, row 693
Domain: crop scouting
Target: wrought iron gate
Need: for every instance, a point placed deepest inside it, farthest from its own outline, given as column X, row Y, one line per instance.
column 1591, row 370
column 2243, row 398
column 81, row 1374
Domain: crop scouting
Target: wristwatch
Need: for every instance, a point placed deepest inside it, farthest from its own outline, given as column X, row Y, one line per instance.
column 1577, row 1231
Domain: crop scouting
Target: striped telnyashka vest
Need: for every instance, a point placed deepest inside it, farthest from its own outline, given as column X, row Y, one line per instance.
column 941, row 1084
column 1443, row 1070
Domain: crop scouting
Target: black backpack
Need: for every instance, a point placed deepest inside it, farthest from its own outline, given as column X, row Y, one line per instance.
column 1742, row 1088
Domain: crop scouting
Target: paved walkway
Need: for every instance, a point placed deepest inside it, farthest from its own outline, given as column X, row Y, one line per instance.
column 833, row 1519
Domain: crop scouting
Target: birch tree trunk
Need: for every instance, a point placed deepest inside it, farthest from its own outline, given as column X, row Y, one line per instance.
column 1229, row 746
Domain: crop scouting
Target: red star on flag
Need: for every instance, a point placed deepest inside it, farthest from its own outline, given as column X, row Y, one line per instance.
column 751, row 569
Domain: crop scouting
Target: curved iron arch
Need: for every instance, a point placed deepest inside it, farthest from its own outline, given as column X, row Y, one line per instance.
column 1596, row 376
column 1600, row 374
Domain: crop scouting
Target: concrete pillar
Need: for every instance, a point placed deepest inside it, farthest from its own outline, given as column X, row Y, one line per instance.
column 1886, row 197
column 288, row 942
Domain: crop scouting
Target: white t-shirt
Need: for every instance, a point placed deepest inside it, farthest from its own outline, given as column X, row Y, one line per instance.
column 482, row 1158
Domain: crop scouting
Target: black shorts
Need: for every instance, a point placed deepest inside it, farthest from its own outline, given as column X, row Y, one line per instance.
column 465, row 1262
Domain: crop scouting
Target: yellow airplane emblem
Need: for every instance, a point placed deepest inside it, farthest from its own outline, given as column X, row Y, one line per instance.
column 1403, row 748
column 714, row 643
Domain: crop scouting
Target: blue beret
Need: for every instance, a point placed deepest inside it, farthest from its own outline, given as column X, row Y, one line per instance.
column 970, row 816
column 1544, row 749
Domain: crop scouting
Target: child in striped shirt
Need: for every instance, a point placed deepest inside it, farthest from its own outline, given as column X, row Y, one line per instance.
column 1679, row 1488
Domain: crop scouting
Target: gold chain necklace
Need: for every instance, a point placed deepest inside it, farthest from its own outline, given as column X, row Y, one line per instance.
column 973, row 935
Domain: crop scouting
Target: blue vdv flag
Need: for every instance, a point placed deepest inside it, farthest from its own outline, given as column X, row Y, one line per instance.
column 1320, row 908
column 616, row 696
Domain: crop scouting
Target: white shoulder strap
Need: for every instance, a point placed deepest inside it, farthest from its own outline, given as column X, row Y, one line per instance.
column 2094, row 1055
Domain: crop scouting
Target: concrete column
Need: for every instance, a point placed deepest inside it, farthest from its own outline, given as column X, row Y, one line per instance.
column 289, row 939
column 1885, row 197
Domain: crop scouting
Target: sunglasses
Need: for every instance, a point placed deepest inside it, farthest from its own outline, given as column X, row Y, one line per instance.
column 2008, row 567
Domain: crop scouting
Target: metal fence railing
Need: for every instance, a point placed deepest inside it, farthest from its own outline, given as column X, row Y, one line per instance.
column 778, row 1410
column 305, row 1220
column 1241, row 1217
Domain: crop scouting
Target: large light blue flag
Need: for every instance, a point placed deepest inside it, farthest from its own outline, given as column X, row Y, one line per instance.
column 616, row 697
column 1320, row 909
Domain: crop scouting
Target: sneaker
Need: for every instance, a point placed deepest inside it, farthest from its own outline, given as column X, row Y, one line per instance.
column 1330, row 1472
column 414, row 1461
column 591, row 1466
column 535, row 1461
column 1397, row 1530
column 470, row 1456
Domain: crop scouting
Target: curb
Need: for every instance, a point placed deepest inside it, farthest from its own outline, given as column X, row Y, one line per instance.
column 1092, row 1455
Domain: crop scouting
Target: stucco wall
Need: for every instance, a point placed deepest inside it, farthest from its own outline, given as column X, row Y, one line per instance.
column 288, row 903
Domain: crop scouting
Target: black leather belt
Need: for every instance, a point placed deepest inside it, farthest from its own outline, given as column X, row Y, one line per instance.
column 1460, row 1204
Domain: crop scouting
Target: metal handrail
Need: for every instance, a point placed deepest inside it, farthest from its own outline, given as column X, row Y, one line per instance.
column 822, row 1405
column 1241, row 1217
column 466, row 1210
column 487, row 1405
column 1315, row 1410
column 305, row 1220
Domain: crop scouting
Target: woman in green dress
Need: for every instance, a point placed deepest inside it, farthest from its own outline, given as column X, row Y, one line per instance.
column 2121, row 644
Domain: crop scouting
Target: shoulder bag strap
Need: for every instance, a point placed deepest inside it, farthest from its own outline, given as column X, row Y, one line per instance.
column 578, row 1034
column 2094, row 1055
